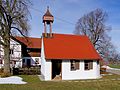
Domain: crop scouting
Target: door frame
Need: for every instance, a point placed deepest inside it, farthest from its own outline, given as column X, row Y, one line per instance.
column 52, row 68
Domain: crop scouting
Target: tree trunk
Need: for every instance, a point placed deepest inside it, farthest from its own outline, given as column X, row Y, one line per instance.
column 7, row 53
column 7, row 60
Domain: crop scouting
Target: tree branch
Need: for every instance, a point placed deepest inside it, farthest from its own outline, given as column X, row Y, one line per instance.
column 19, row 31
column 2, row 12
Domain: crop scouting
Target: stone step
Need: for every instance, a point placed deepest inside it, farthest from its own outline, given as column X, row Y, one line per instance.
column 57, row 77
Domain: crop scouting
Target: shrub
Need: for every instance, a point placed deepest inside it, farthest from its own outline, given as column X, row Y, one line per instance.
column 1, row 70
column 5, row 74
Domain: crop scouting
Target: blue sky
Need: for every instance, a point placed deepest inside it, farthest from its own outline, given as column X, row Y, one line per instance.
column 67, row 13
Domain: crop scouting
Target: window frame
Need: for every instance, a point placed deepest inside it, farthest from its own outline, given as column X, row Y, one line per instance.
column 11, row 51
column 23, row 60
column 88, row 64
column 1, row 61
column 74, row 65
column 36, row 60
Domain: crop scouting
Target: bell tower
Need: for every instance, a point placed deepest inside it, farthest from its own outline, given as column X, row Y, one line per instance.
column 48, row 20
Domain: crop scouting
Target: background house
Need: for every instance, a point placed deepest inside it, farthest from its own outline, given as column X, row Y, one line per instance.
column 15, row 54
column 24, row 52
column 31, row 50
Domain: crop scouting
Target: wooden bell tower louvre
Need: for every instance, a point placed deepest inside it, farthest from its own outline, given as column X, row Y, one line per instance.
column 48, row 20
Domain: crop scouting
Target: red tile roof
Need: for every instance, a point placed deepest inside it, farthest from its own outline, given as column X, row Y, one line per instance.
column 64, row 46
column 30, row 42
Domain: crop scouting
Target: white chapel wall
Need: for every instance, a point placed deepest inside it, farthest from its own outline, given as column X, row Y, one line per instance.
column 67, row 74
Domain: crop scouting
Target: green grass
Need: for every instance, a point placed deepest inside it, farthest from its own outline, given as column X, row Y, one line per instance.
column 114, row 66
column 35, row 84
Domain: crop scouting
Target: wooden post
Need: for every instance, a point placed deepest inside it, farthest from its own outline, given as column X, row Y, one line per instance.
column 50, row 29
column 45, row 30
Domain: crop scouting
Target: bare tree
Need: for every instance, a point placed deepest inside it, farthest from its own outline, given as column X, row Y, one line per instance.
column 114, row 57
column 93, row 25
column 13, row 18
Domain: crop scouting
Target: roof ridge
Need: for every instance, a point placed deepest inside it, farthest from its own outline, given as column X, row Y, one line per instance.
column 69, row 34
column 28, row 37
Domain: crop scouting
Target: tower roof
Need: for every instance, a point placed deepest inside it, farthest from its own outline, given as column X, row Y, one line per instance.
column 48, row 17
column 48, row 13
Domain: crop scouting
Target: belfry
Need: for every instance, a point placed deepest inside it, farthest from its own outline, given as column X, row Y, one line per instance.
column 48, row 20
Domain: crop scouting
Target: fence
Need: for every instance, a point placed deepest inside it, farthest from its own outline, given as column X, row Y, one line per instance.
column 27, row 71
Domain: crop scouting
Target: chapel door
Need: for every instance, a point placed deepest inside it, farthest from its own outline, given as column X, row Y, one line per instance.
column 56, row 68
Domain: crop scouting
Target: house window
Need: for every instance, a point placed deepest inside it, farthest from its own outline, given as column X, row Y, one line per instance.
column 11, row 51
column 88, row 65
column 28, row 51
column 23, row 60
column 11, row 62
column 1, row 61
column 74, row 65
column 36, row 60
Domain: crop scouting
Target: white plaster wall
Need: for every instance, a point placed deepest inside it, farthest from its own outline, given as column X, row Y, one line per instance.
column 1, row 65
column 42, row 59
column 1, row 50
column 18, row 64
column 16, row 49
column 16, row 53
column 45, row 65
column 98, row 69
column 67, row 74
column 48, row 69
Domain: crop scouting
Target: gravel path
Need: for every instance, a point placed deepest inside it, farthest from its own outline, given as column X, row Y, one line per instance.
column 112, row 70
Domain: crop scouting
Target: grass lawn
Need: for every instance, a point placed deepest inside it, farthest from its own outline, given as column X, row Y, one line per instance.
column 114, row 66
column 35, row 84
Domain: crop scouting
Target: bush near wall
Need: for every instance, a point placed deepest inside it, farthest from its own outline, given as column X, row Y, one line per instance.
column 1, row 70
column 103, row 71
column 2, row 74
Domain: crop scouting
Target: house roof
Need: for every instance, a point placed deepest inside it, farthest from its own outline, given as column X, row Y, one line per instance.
column 64, row 46
column 30, row 42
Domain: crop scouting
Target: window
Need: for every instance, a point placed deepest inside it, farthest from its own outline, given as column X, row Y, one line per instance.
column 23, row 60
column 28, row 50
column 36, row 60
column 1, row 61
column 11, row 51
column 10, row 62
column 74, row 65
column 88, row 64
